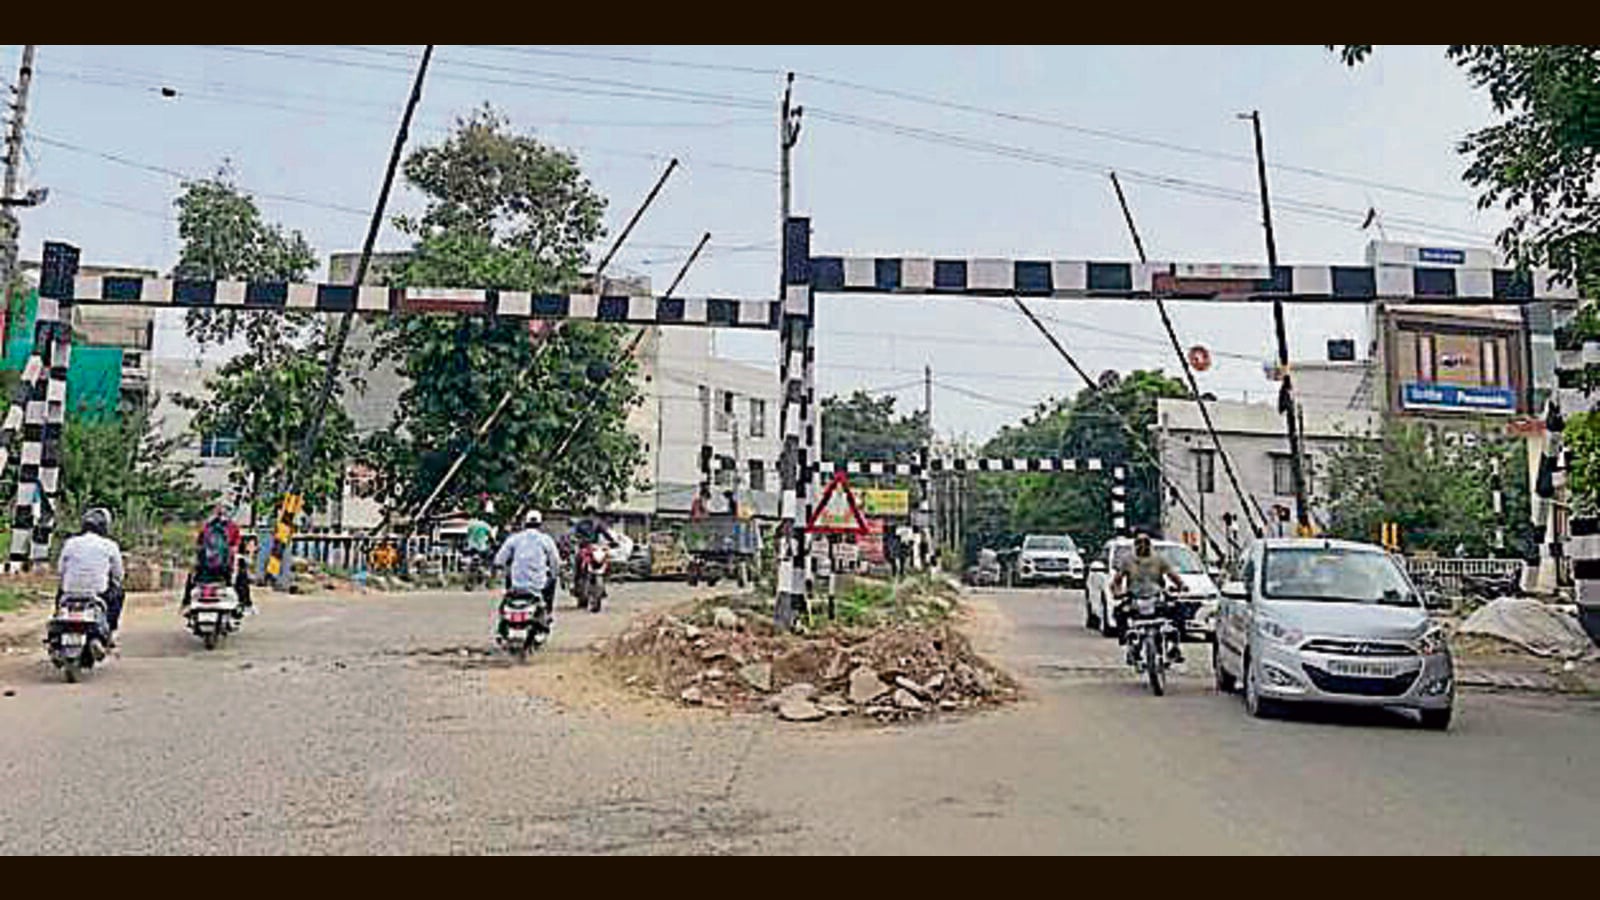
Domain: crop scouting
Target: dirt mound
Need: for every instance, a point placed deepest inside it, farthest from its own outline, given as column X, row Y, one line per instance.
column 720, row 657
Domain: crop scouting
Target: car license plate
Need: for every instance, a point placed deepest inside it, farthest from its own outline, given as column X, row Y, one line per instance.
column 517, row 635
column 1363, row 669
column 206, row 617
column 72, row 638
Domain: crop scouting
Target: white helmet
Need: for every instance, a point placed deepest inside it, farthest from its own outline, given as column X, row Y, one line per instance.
column 534, row 519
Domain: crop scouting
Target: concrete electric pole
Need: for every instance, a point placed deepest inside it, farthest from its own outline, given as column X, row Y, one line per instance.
column 8, row 198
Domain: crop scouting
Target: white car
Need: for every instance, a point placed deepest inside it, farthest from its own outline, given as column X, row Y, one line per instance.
column 1049, row 557
column 1199, row 598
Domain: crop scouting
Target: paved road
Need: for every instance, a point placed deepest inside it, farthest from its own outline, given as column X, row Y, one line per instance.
column 357, row 726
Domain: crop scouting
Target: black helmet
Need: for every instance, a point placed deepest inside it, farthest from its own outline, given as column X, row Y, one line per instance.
column 98, row 520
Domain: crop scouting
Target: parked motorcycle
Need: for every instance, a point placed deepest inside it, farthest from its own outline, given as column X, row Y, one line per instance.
column 589, row 577
column 77, row 635
column 523, row 625
column 214, row 613
column 1148, row 630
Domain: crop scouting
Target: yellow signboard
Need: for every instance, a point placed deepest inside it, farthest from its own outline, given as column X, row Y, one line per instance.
column 885, row 503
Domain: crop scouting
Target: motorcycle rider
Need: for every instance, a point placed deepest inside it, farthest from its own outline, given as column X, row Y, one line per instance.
column 479, row 535
column 1142, row 574
column 91, row 566
column 531, row 560
column 217, row 557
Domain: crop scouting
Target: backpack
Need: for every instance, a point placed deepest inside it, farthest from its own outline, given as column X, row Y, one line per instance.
column 216, row 558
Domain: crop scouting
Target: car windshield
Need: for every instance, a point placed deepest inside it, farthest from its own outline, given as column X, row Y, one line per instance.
column 1048, row 542
column 1178, row 556
column 1335, row 575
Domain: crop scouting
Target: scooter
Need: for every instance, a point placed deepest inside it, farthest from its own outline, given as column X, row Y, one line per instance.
column 213, row 613
column 77, row 635
column 523, row 626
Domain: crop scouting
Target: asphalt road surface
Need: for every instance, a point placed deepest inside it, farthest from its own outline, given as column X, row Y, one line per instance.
column 380, row 725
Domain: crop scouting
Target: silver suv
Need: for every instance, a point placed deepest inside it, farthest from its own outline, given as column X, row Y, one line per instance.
column 1317, row 620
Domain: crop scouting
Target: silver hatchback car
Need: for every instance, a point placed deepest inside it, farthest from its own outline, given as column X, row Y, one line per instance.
column 1325, row 621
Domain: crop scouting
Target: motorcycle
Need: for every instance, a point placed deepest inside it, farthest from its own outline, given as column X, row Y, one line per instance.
column 1148, row 631
column 479, row 571
column 214, row 613
column 77, row 634
column 589, row 579
column 523, row 625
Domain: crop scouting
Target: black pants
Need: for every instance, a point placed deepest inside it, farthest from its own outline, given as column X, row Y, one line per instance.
column 550, row 597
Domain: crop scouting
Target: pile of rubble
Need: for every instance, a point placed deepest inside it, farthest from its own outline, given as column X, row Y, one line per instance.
column 717, row 657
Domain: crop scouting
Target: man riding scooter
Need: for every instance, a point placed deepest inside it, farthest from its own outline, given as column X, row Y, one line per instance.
column 531, row 561
column 91, row 566
column 217, row 558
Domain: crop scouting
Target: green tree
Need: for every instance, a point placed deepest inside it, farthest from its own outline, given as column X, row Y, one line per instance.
column 862, row 427
column 503, row 211
column 1436, row 483
column 225, row 238
column 265, row 395
column 128, row 467
column 1078, row 502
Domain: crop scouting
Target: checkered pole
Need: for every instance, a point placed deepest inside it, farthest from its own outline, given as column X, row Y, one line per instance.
column 1546, row 487
column 793, row 468
column 1586, row 572
column 44, row 412
column 1119, row 500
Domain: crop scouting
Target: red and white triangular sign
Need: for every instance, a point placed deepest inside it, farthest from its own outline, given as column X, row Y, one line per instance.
column 836, row 511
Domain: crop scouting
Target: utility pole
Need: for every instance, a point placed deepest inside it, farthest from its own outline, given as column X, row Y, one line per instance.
column 1286, row 402
column 8, row 198
column 788, row 136
column 299, row 468
column 931, row 523
column 793, row 563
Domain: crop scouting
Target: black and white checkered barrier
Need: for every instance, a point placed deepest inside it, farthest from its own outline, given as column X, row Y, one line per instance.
column 1057, row 278
column 43, row 392
column 1585, row 552
column 337, row 298
column 795, row 358
column 937, row 465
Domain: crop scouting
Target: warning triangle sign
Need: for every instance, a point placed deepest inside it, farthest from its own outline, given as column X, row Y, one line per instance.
column 837, row 511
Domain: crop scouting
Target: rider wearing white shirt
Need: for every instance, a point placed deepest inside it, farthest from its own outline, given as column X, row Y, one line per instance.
column 91, row 566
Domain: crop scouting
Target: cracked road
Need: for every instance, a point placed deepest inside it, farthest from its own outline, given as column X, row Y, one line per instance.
column 378, row 725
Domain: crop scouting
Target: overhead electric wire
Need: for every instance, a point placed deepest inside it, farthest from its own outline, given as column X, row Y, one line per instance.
column 1219, row 192
column 184, row 176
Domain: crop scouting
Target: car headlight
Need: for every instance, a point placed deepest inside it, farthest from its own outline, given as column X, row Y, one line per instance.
column 1433, row 642
column 1279, row 633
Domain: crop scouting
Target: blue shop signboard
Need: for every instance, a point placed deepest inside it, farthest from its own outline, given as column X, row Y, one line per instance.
column 1417, row 395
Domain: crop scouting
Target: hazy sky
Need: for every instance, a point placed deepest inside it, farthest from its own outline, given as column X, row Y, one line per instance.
column 308, row 130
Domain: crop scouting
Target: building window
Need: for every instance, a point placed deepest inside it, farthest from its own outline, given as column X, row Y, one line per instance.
column 218, row 446
column 724, row 410
column 758, row 475
column 1282, row 475
column 758, row 417
column 1205, row 467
